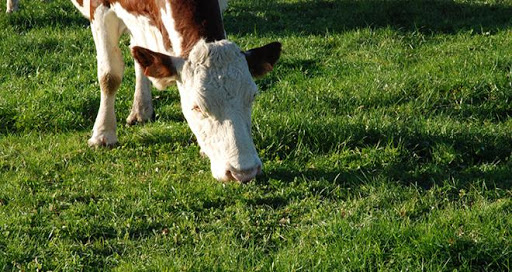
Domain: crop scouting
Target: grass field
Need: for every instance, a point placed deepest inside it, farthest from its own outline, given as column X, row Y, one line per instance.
column 385, row 132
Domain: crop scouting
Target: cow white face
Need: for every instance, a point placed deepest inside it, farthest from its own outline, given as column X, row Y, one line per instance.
column 217, row 91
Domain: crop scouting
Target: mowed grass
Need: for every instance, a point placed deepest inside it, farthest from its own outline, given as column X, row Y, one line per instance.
column 385, row 131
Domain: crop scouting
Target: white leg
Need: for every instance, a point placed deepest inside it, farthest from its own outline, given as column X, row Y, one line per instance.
column 142, row 109
column 106, row 29
column 12, row 5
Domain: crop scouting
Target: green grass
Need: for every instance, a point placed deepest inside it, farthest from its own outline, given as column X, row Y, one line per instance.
column 385, row 132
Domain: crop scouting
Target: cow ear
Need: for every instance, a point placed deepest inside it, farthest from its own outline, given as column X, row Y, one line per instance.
column 156, row 64
column 261, row 60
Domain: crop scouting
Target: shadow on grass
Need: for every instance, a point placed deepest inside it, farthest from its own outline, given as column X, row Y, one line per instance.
column 424, row 176
column 313, row 17
column 55, row 14
column 7, row 119
column 318, row 17
column 475, row 156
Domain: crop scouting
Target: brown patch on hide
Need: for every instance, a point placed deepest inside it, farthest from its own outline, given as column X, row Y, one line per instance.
column 196, row 19
column 154, row 64
column 80, row 2
column 261, row 60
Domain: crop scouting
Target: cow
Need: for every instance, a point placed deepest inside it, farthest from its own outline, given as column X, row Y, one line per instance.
column 181, row 42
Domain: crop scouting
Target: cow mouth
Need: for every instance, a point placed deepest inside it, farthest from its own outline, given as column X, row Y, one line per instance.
column 243, row 176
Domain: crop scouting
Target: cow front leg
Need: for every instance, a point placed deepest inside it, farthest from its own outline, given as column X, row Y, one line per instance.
column 106, row 31
column 104, row 131
column 142, row 108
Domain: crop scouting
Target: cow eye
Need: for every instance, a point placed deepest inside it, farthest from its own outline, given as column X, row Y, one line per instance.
column 197, row 109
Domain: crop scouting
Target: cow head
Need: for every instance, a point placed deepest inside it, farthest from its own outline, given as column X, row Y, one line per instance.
column 217, row 91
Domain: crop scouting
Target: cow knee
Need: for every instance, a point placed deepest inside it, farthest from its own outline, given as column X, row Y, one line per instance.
column 109, row 83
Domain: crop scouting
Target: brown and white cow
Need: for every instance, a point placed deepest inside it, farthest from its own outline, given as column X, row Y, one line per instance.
column 181, row 41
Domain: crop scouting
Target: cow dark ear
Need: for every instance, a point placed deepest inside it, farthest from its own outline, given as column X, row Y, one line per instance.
column 261, row 60
column 156, row 64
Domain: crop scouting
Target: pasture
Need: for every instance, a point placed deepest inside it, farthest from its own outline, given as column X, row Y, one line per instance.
column 385, row 132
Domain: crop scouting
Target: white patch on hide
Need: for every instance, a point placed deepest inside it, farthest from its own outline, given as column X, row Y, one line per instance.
column 142, row 32
column 85, row 8
column 168, row 21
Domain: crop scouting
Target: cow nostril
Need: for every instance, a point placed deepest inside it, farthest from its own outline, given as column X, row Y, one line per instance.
column 242, row 176
column 229, row 175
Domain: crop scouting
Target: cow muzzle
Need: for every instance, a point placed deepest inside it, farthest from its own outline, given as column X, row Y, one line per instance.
column 242, row 176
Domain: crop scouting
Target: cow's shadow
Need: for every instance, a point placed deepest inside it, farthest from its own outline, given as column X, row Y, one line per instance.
column 268, row 17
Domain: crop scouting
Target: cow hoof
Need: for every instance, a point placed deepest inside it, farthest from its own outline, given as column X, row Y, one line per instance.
column 140, row 118
column 102, row 141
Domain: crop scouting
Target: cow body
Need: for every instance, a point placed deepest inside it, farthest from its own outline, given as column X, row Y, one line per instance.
column 181, row 41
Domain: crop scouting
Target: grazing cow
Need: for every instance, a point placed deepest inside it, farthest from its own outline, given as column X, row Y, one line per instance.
column 181, row 41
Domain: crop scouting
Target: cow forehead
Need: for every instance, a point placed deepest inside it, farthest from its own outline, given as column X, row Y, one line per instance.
column 214, row 92
column 218, row 53
column 219, row 76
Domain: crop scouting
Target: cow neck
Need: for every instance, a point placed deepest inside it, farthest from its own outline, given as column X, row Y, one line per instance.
column 195, row 20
